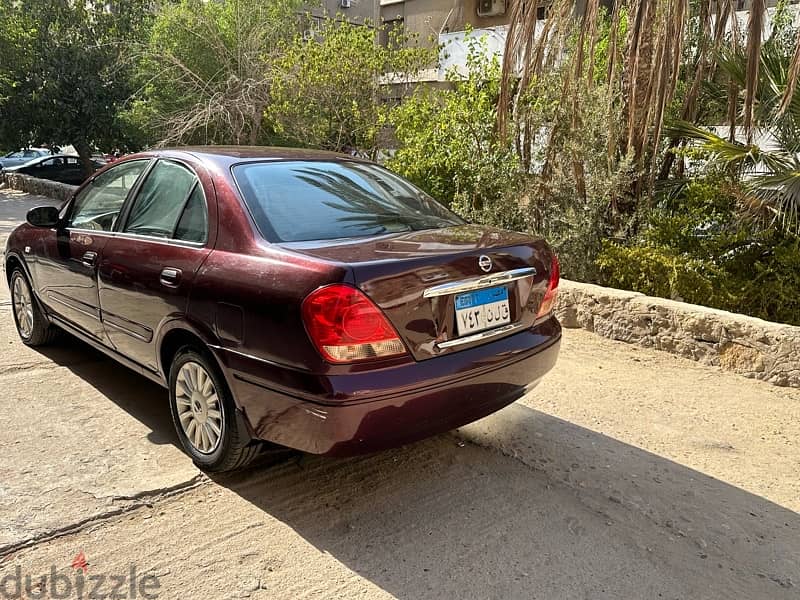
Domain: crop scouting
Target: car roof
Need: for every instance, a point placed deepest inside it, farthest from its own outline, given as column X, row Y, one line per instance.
column 260, row 152
column 49, row 156
column 230, row 155
column 27, row 149
column 40, row 159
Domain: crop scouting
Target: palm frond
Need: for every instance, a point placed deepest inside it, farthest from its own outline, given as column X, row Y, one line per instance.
column 778, row 193
column 794, row 73
column 743, row 158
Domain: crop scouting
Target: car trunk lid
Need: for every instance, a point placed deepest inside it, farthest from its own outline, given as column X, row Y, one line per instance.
column 417, row 277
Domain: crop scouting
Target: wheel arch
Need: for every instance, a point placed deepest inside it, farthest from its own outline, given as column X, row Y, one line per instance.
column 173, row 340
column 13, row 260
column 179, row 333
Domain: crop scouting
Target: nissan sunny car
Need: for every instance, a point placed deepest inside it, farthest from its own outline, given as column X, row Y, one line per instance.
column 287, row 297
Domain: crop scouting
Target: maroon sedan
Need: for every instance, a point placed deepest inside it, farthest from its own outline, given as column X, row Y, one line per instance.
column 302, row 298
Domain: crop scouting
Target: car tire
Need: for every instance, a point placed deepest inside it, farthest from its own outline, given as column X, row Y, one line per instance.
column 205, row 416
column 33, row 327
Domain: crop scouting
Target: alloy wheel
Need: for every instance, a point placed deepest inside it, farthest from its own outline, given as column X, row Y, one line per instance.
column 199, row 409
column 23, row 307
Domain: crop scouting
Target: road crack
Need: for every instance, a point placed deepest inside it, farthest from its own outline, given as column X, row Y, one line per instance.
column 133, row 502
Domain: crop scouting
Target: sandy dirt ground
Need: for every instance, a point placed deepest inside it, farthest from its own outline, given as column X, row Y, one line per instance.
column 627, row 473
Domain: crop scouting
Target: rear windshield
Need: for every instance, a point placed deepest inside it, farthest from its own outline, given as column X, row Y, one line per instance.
column 295, row 201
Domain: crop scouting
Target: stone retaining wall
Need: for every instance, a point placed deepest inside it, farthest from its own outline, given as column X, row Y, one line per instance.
column 746, row 345
column 41, row 187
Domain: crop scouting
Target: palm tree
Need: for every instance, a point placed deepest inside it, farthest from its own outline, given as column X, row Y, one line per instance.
column 770, row 173
column 648, row 60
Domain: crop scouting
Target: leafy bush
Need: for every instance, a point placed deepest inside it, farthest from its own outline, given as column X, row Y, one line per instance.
column 448, row 145
column 657, row 271
column 697, row 249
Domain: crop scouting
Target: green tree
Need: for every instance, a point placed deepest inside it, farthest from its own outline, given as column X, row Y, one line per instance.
column 450, row 146
column 329, row 92
column 770, row 172
column 64, row 77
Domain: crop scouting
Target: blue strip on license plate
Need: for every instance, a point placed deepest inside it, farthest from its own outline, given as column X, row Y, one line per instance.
column 481, row 297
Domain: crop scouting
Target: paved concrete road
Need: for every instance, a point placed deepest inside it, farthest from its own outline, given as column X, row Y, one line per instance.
column 626, row 474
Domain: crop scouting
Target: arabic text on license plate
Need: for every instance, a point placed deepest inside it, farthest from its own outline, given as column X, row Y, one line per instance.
column 482, row 309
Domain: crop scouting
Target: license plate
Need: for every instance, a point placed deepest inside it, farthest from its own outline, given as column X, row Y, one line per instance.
column 483, row 309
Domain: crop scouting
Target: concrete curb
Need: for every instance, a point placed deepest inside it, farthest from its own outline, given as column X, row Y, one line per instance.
column 745, row 345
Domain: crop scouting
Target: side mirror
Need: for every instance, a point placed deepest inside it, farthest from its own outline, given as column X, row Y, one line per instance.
column 43, row 216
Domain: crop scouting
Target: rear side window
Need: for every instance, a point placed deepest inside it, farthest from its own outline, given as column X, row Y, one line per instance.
column 194, row 222
column 294, row 201
column 160, row 201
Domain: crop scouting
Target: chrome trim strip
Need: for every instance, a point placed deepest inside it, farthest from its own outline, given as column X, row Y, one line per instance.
column 124, row 235
column 123, row 329
column 468, row 285
column 55, row 298
column 479, row 337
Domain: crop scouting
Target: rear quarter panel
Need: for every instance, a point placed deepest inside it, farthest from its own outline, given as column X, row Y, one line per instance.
column 253, row 302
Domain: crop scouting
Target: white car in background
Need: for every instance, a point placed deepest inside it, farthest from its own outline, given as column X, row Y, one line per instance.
column 20, row 157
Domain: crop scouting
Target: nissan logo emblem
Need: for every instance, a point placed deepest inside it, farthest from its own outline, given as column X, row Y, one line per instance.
column 485, row 263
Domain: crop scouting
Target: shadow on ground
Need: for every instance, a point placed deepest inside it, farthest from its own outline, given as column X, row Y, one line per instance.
column 144, row 400
column 520, row 505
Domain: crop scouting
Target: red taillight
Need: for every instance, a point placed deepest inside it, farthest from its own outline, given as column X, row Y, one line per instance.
column 346, row 326
column 549, row 300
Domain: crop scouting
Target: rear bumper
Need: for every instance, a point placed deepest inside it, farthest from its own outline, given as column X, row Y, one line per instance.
column 365, row 412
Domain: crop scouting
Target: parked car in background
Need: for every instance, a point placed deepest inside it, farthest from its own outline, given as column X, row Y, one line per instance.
column 310, row 299
column 60, row 167
column 20, row 157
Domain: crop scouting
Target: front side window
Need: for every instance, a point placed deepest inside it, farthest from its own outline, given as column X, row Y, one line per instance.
column 293, row 201
column 98, row 205
column 160, row 202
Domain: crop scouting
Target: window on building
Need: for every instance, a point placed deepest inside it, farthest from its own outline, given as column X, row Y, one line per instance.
column 390, row 32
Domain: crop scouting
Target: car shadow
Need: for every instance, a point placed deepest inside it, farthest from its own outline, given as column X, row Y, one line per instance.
column 559, row 511
column 145, row 401
column 519, row 505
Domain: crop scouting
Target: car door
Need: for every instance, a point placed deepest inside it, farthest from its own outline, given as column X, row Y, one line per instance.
column 44, row 169
column 66, row 263
column 72, row 171
column 147, row 269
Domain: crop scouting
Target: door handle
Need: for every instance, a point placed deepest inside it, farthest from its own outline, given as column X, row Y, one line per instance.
column 89, row 258
column 170, row 276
